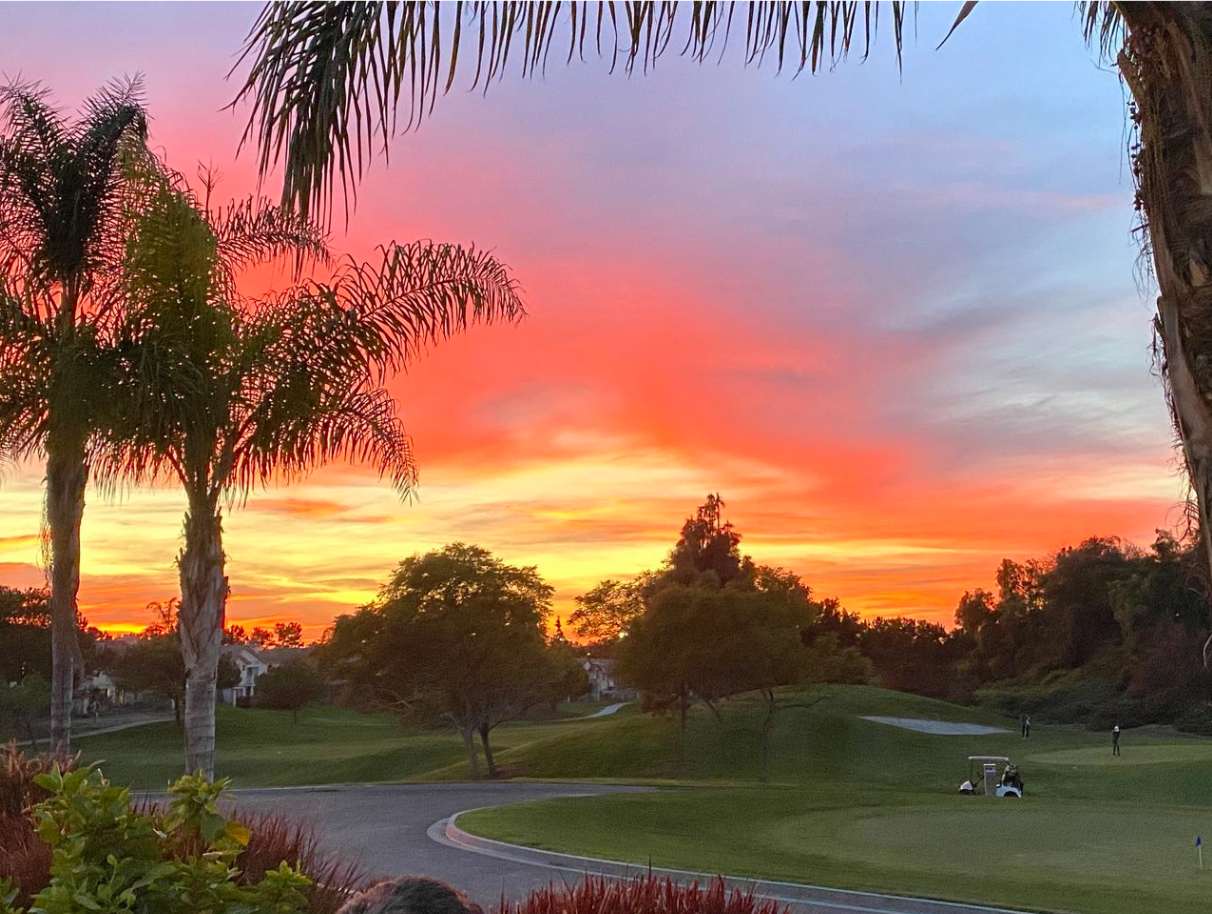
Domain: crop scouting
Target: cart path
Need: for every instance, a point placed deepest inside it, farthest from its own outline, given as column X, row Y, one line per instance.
column 938, row 727
column 396, row 830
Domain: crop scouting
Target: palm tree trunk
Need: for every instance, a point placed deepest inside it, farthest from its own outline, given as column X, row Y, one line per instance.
column 1167, row 64
column 66, row 477
column 200, row 623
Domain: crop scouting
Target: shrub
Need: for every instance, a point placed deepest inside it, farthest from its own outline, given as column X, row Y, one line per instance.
column 644, row 894
column 108, row 856
column 25, row 861
column 19, row 772
column 271, row 840
column 274, row 839
column 289, row 687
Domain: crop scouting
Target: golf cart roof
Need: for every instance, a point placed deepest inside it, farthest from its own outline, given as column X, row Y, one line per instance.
column 988, row 758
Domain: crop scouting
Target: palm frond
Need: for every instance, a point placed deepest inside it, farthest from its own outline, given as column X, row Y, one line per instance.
column 253, row 231
column 383, row 315
column 60, row 183
column 306, row 427
column 1103, row 25
column 326, row 79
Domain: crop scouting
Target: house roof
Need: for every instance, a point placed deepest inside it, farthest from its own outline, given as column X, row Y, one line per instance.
column 244, row 652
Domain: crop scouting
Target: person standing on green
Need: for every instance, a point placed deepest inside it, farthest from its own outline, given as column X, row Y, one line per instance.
column 1115, row 740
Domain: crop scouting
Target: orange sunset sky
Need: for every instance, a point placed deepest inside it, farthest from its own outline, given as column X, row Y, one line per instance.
column 893, row 320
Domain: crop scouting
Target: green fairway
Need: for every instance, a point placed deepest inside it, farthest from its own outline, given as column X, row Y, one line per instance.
column 327, row 746
column 850, row 802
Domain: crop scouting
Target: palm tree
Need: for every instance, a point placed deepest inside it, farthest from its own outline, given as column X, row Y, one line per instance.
column 228, row 394
column 326, row 80
column 67, row 192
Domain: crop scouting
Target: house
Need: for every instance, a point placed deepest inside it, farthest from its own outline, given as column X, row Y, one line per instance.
column 251, row 664
column 602, row 684
column 97, row 691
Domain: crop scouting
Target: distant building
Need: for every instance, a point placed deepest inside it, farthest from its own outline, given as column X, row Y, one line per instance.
column 252, row 662
column 602, row 684
column 251, row 665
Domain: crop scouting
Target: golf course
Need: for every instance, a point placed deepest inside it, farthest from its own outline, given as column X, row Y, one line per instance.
column 850, row 802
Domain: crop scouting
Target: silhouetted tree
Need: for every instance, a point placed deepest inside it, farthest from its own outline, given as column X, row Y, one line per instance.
column 605, row 612
column 289, row 687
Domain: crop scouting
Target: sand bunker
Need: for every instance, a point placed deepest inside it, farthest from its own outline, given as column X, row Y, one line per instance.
column 938, row 727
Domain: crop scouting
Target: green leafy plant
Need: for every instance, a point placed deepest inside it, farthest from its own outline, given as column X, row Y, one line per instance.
column 111, row 858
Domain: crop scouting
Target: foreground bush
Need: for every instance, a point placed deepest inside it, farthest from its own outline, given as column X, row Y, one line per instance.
column 106, row 856
column 32, row 789
column 274, row 839
column 644, row 894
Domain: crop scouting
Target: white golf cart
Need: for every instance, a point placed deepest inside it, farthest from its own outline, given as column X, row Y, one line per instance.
column 1010, row 784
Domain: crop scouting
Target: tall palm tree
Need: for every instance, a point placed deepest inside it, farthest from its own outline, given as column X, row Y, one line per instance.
column 227, row 394
column 326, row 80
column 68, row 189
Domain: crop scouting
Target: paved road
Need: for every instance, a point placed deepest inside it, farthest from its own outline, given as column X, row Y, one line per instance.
column 397, row 830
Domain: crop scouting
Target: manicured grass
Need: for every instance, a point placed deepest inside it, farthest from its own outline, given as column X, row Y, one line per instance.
column 1063, row 855
column 858, row 804
column 849, row 803
column 327, row 745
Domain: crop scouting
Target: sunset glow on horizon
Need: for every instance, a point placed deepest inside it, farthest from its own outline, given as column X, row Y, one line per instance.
column 902, row 337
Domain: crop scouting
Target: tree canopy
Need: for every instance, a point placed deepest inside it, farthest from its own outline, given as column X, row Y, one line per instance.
column 456, row 638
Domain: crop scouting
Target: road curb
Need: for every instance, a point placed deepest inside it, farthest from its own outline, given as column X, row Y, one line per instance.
column 785, row 892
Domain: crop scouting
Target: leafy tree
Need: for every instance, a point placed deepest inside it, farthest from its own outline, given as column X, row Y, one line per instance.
column 25, row 702
column 228, row 674
column 604, row 614
column 289, row 687
column 25, row 633
column 910, row 655
column 68, row 190
column 1077, row 592
column 456, row 638
column 707, row 545
column 235, row 634
column 153, row 664
column 711, row 643
column 226, row 393
column 288, row 634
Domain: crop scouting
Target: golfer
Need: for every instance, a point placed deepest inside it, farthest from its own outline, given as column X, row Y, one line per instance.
column 1115, row 740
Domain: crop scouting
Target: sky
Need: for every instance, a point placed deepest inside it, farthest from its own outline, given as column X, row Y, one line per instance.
column 896, row 319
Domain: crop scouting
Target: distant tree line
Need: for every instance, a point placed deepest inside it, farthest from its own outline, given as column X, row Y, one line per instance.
column 1096, row 633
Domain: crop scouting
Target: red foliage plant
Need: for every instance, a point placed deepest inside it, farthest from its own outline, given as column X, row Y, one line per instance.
column 23, row 857
column 18, row 792
column 645, row 894
column 275, row 838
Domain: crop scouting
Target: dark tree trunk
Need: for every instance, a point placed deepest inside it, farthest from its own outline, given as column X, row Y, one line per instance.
column 767, row 727
column 1167, row 65
column 66, row 477
column 200, row 623
column 488, row 759
column 469, row 743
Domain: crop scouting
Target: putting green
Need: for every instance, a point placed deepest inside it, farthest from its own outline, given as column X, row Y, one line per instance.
column 1163, row 754
column 1059, row 855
